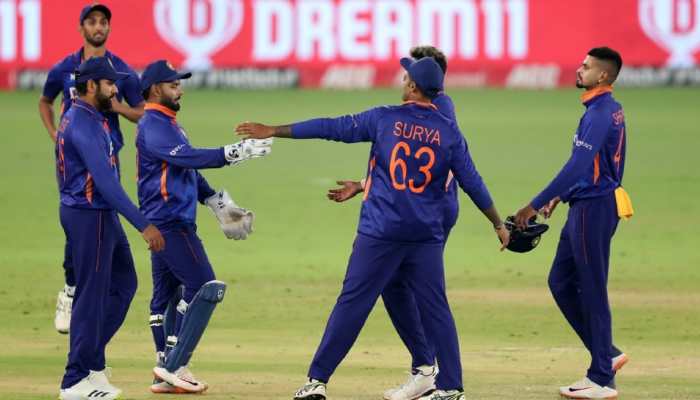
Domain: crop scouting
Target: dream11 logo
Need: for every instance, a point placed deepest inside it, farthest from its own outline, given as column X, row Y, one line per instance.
column 675, row 25
column 198, row 28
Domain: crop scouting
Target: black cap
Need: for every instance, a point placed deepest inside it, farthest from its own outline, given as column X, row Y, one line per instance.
column 95, row 7
column 97, row 68
column 161, row 71
column 522, row 241
column 426, row 73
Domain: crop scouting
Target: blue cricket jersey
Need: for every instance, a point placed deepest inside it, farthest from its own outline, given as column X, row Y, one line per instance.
column 86, row 168
column 61, row 79
column 597, row 160
column 414, row 147
column 169, row 185
column 444, row 104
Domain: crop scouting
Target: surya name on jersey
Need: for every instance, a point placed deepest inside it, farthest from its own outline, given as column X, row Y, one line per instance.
column 415, row 132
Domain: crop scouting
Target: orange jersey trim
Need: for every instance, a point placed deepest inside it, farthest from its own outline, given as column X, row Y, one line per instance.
column 422, row 104
column 164, row 181
column 157, row 107
column 450, row 177
column 590, row 94
column 618, row 154
column 89, row 188
column 368, row 182
column 596, row 168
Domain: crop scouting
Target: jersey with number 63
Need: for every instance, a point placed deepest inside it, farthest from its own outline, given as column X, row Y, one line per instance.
column 414, row 148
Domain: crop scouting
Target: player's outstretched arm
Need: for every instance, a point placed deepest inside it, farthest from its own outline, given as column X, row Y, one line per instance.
column 255, row 130
column 346, row 191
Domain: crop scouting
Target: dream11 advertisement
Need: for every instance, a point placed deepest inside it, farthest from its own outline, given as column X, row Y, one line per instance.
column 357, row 43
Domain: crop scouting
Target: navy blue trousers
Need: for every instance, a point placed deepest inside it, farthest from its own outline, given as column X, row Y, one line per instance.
column 372, row 265
column 183, row 262
column 400, row 304
column 579, row 277
column 68, row 272
column 105, row 285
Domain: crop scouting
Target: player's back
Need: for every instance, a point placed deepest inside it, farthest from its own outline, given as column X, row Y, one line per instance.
column 413, row 151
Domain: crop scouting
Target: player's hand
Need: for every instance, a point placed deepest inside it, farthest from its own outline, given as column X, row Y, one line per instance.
column 346, row 191
column 117, row 106
column 236, row 222
column 503, row 235
column 153, row 237
column 254, row 130
column 548, row 209
column 523, row 216
column 241, row 227
column 246, row 149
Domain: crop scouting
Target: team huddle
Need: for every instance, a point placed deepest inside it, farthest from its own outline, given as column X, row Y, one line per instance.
column 417, row 159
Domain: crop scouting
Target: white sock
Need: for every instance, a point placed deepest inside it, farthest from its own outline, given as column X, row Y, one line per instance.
column 69, row 290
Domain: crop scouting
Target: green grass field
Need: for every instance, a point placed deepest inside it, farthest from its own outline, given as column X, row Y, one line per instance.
column 285, row 277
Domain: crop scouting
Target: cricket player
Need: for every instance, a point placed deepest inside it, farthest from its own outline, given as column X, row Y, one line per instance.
column 169, row 187
column 401, row 228
column 398, row 299
column 95, row 28
column 91, row 196
column 591, row 182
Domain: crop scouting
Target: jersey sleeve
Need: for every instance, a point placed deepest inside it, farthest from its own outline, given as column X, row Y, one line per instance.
column 132, row 89
column 204, row 191
column 445, row 106
column 98, row 164
column 466, row 175
column 170, row 147
column 592, row 135
column 352, row 128
column 54, row 83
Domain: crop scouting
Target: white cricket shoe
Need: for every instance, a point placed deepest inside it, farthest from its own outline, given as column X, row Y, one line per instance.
column 587, row 389
column 312, row 390
column 162, row 387
column 101, row 380
column 64, row 305
column 420, row 382
column 444, row 395
column 87, row 390
column 619, row 362
column 182, row 379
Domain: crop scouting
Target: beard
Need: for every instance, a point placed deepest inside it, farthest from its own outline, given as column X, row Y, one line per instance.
column 579, row 84
column 96, row 42
column 104, row 102
column 171, row 104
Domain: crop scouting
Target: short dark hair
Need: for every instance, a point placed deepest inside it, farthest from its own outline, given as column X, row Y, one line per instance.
column 145, row 93
column 419, row 52
column 81, row 87
column 609, row 55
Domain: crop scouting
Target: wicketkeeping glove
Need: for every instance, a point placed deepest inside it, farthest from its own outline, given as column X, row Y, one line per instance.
column 246, row 149
column 236, row 222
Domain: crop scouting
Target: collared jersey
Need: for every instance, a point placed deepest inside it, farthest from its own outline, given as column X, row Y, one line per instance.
column 597, row 161
column 169, row 184
column 86, row 170
column 61, row 79
column 414, row 147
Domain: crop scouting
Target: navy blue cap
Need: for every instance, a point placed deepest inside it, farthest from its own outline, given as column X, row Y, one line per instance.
column 95, row 7
column 426, row 73
column 97, row 68
column 161, row 71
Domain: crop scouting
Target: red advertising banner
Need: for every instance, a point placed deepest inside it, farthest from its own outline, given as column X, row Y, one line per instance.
column 356, row 43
